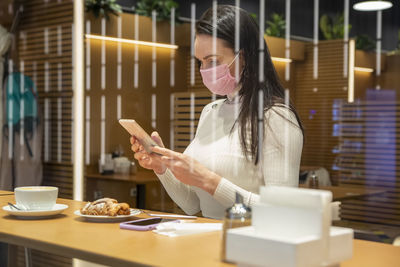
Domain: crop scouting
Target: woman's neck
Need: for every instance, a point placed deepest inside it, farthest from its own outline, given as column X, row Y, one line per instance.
column 232, row 95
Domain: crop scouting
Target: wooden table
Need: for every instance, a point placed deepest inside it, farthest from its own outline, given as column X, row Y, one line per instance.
column 340, row 193
column 104, row 243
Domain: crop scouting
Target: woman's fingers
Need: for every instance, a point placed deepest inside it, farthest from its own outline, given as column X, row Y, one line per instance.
column 167, row 152
column 141, row 155
column 156, row 137
column 132, row 140
column 136, row 147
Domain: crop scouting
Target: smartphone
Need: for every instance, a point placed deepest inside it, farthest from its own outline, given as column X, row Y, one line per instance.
column 134, row 129
column 144, row 224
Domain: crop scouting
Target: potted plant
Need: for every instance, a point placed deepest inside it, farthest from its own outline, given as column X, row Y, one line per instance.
column 103, row 8
column 332, row 27
column 276, row 27
column 364, row 42
column 162, row 7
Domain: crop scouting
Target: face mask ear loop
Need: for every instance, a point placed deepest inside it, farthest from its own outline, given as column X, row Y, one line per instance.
column 237, row 54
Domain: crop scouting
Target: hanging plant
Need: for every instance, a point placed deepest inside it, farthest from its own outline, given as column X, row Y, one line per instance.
column 364, row 42
column 162, row 7
column 103, row 8
column 276, row 27
column 332, row 27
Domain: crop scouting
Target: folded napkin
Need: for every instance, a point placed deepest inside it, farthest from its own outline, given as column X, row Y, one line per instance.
column 186, row 228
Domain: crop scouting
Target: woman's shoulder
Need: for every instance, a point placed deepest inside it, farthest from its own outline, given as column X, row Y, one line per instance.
column 279, row 113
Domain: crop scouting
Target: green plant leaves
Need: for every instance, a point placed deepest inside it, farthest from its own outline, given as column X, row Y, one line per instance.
column 162, row 7
column 276, row 27
column 364, row 42
column 332, row 27
column 101, row 8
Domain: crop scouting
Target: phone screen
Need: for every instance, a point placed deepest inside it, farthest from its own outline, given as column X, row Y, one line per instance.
column 150, row 221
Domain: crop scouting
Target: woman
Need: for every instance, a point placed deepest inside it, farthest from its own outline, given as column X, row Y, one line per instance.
column 223, row 157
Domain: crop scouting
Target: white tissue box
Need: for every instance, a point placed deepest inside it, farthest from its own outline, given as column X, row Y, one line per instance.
column 244, row 246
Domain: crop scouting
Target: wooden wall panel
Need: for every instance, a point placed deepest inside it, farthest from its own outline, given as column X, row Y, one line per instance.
column 390, row 78
column 6, row 13
column 136, row 103
column 42, row 259
column 45, row 48
column 315, row 101
column 187, row 110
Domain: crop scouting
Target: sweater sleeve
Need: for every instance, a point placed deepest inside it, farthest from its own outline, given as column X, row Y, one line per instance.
column 280, row 161
column 183, row 195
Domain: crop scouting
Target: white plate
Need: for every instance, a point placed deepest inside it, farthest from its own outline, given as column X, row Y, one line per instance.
column 31, row 214
column 103, row 218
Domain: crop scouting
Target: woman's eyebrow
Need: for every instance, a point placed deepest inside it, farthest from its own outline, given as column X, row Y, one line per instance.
column 212, row 55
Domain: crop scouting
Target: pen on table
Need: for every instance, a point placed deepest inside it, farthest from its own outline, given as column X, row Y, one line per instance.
column 171, row 215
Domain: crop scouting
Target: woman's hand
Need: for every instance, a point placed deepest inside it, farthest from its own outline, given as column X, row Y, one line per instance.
column 188, row 170
column 148, row 161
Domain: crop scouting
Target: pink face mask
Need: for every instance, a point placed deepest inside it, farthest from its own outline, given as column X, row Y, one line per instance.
column 222, row 82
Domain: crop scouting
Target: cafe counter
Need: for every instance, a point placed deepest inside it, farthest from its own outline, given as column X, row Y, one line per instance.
column 105, row 243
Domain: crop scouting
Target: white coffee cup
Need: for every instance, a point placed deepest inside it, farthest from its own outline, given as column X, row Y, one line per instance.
column 36, row 197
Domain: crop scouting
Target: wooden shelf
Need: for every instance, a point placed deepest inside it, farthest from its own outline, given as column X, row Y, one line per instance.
column 141, row 177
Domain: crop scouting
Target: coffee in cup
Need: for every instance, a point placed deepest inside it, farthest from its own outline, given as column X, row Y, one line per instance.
column 36, row 197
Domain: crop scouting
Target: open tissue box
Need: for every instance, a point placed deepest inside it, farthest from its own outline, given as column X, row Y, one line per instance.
column 290, row 227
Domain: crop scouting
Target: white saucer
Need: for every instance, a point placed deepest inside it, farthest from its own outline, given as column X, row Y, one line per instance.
column 103, row 218
column 57, row 209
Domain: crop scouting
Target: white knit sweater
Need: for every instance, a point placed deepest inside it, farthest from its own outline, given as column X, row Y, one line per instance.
column 218, row 149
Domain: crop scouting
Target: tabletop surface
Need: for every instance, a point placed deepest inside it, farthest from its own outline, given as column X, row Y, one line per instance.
column 71, row 236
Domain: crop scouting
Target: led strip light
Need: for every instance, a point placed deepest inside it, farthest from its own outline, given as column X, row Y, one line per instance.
column 129, row 41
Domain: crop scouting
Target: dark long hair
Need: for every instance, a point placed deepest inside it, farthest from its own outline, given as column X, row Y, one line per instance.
column 273, row 91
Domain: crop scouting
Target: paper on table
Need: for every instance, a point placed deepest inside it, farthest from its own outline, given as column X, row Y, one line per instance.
column 173, row 229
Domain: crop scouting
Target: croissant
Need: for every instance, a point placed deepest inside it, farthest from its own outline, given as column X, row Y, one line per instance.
column 106, row 206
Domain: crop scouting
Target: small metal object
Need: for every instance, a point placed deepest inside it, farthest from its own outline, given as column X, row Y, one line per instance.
column 13, row 206
column 28, row 257
column 239, row 215
column 313, row 180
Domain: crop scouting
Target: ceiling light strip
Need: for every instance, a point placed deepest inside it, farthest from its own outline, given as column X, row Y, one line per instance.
column 364, row 69
column 129, row 41
column 281, row 59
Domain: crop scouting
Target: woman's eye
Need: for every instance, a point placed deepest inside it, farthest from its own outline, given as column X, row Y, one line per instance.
column 211, row 63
